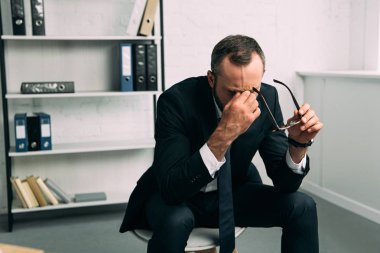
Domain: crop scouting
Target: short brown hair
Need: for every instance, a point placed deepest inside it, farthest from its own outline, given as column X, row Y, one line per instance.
column 239, row 48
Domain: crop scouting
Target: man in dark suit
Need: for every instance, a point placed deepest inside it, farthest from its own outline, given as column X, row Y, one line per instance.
column 198, row 120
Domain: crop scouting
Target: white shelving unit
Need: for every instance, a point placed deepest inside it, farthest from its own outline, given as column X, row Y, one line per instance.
column 85, row 38
column 113, row 199
column 86, row 147
column 81, row 94
column 98, row 111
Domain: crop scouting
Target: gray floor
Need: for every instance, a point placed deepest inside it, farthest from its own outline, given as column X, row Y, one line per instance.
column 96, row 230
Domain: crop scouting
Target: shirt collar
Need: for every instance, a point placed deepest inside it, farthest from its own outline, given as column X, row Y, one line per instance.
column 217, row 110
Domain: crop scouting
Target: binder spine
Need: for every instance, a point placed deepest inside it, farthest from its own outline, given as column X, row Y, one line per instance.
column 139, row 67
column 151, row 63
column 34, row 133
column 38, row 17
column 126, row 77
column 45, row 130
column 18, row 17
column 21, row 134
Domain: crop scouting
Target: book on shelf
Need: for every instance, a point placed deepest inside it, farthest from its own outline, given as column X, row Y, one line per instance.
column 61, row 194
column 30, row 193
column 139, row 67
column 24, row 194
column 90, row 196
column 48, row 194
column 147, row 22
column 126, row 65
column 18, row 17
column 151, row 67
column 136, row 17
column 45, row 130
column 18, row 192
column 36, row 190
column 38, row 17
column 21, row 132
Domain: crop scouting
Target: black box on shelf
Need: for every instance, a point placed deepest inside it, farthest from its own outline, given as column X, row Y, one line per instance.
column 47, row 87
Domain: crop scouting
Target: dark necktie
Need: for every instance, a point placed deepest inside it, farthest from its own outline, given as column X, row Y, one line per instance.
column 226, row 209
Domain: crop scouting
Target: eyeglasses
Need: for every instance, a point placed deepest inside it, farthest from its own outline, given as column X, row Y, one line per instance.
column 275, row 124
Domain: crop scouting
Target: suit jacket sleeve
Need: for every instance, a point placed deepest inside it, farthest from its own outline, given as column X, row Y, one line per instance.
column 179, row 168
column 273, row 150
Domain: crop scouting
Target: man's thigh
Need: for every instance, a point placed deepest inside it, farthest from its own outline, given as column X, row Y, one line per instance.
column 258, row 205
column 160, row 214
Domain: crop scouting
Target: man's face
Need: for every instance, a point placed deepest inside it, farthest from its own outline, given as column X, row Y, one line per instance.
column 232, row 78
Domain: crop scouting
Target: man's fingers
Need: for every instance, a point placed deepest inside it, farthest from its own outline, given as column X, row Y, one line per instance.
column 303, row 109
column 307, row 116
column 233, row 99
column 311, row 122
column 315, row 128
column 251, row 102
column 242, row 98
column 257, row 112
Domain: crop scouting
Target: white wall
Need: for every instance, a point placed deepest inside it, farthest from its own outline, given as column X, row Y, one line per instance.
column 295, row 34
column 364, row 36
column 345, row 167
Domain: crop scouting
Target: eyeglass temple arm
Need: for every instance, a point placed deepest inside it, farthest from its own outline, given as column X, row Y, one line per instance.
column 267, row 106
column 291, row 93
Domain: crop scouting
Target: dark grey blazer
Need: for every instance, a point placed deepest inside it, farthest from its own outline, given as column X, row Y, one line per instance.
column 186, row 118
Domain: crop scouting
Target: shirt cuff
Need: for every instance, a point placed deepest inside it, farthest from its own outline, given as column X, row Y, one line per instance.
column 298, row 168
column 212, row 164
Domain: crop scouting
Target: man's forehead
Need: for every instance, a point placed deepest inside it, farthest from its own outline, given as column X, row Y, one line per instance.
column 227, row 68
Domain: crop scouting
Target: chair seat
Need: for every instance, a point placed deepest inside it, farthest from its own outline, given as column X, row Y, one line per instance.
column 200, row 238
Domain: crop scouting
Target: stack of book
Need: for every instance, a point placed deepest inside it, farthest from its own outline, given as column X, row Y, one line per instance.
column 35, row 192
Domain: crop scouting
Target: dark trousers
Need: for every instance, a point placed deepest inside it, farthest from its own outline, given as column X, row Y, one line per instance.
column 255, row 205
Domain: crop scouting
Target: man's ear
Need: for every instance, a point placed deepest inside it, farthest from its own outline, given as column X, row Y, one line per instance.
column 211, row 78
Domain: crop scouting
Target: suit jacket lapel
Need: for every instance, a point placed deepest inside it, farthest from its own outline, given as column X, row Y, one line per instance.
column 208, row 120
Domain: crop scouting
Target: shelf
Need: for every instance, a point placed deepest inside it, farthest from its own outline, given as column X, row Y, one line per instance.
column 85, row 38
column 70, row 148
column 81, row 94
column 96, row 102
column 368, row 74
column 112, row 199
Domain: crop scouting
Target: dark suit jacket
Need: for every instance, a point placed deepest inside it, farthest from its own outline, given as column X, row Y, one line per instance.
column 186, row 117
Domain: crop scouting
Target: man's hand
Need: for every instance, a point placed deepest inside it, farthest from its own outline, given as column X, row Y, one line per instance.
column 240, row 112
column 303, row 132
